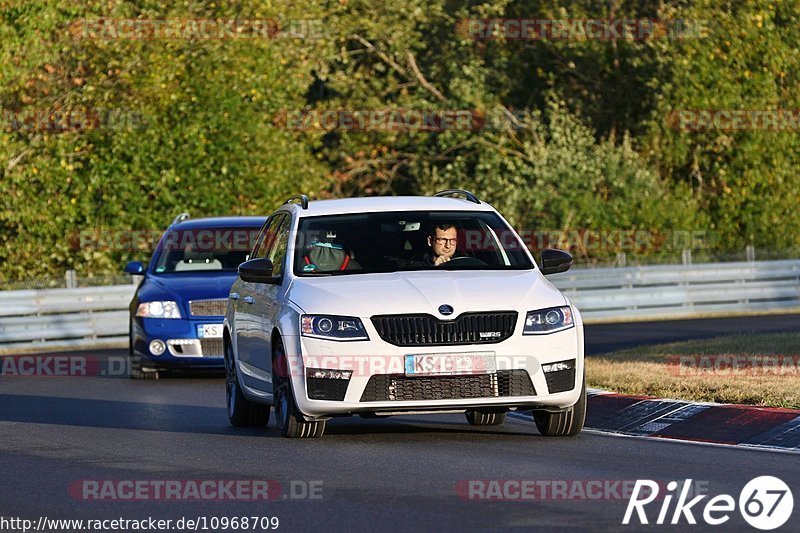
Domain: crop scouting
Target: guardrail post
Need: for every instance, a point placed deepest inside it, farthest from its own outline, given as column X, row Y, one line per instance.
column 70, row 279
column 750, row 252
column 622, row 259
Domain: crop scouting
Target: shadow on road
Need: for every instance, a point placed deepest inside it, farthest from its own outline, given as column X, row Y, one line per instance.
column 112, row 414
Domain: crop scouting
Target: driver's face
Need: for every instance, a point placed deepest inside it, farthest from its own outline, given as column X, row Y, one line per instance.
column 444, row 243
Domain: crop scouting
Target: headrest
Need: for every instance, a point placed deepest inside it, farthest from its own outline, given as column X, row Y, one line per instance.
column 193, row 264
column 194, row 256
column 324, row 257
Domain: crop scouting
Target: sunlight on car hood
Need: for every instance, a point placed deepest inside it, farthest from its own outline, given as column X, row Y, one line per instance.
column 423, row 292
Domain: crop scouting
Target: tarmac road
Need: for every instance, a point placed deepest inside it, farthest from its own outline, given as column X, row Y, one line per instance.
column 603, row 338
column 405, row 473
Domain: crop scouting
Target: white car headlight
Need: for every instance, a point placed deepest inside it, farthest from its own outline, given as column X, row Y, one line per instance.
column 163, row 309
column 337, row 328
column 549, row 320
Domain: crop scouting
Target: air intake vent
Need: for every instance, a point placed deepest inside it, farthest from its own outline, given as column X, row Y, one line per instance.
column 427, row 330
column 561, row 380
column 327, row 389
column 397, row 387
column 211, row 347
column 215, row 307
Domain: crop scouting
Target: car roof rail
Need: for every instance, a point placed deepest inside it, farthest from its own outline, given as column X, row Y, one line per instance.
column 180, row 218
column 303, row 200
column 452, row 192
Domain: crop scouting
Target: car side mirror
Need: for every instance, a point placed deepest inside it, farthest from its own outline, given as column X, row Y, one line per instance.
column 135, row 268
column 555, row 261
column 258, row 271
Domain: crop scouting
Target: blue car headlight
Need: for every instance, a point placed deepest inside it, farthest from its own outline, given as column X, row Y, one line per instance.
column 337, row 328
column 548, row 320
column 163, row 309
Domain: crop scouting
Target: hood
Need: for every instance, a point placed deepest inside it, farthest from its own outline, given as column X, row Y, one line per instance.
column 187, row 286
column 365, row 295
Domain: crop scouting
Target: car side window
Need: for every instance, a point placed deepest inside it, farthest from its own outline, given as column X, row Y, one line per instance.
column 280, row 241
column 267, row 237
column 259, row 239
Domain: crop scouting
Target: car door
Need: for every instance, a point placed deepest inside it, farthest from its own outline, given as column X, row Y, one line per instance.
column 243, row 293
column 239, row 288
column 266, row 296
column 257, row 307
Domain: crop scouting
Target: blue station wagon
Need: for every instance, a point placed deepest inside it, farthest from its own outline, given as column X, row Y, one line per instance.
column 176, row 313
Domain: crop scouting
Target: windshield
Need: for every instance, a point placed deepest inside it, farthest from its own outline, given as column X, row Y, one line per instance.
column 394, row 241
column 204, row 250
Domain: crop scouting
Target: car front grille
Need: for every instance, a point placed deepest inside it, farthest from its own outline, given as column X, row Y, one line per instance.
column 427, row 330
column 515, row 383
column 215, row 307
column 211, row 347
column 398, row 387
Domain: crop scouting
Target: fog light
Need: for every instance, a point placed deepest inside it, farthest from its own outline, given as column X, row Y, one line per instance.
column 157, row 347
column 319, row 373
column 555, row 367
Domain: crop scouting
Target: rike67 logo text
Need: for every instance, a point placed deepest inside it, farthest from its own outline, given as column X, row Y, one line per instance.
column 765, row 503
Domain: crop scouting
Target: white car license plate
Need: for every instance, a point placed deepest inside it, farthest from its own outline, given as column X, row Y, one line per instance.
column 209, row 331
column 449, row 364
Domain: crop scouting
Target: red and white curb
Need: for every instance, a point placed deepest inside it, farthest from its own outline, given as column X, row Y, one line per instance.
column 737, row 425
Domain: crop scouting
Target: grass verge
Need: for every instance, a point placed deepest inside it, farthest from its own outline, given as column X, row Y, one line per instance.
column 762, row 369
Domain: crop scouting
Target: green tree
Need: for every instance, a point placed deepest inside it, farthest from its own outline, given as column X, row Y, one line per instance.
column 182, row 125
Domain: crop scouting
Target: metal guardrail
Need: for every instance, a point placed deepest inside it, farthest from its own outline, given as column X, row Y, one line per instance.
column 86, row 317
column 91, row 317
column 683, row 291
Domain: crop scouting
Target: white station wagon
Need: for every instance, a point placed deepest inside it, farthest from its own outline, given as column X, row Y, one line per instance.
column 396, row 305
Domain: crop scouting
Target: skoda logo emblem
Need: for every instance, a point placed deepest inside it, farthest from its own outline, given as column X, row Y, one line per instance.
column 446, row 309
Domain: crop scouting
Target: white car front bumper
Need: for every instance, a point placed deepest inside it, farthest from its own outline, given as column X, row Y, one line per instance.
column 379, row 385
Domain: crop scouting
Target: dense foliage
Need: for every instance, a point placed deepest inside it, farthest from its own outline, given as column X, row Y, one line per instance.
column 580, row 138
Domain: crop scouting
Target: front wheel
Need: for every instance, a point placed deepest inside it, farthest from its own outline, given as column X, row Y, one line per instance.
column 290, row 421
column 139, row 372
column 567, row 423
column 241, row 411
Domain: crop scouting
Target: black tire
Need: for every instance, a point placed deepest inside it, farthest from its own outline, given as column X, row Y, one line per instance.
column 135, row 363
column 241, row 411
column 477, row 418
column 138, row 372
column 567, row 423
column 290, row 421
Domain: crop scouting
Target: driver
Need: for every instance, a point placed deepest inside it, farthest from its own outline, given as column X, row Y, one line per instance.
column 443, row 241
